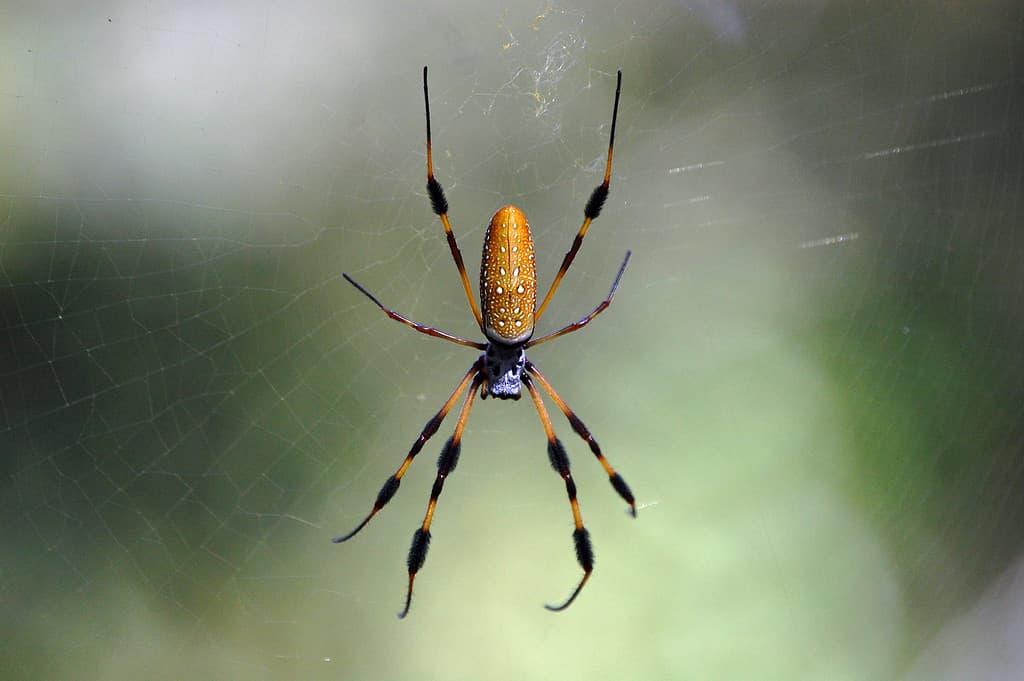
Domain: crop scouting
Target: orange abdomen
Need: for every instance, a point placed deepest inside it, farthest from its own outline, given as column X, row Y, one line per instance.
column 508, row 278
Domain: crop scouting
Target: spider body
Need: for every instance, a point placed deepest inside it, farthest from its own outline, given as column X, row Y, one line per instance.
column 508, row 301
column 507, row 316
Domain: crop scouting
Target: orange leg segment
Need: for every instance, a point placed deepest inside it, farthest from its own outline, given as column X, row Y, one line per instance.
column 391, row 484
column 445, row 464
column 440, row 205
column 577, row 425
column 560, row 462
column 592, row 209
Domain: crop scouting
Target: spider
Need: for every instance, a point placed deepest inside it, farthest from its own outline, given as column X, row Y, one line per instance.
column 507, row 314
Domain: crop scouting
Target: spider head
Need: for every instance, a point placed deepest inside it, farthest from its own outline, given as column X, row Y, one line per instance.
column 503, row 365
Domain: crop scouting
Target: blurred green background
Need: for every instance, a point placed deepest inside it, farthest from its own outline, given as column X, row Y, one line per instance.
column 812, row 374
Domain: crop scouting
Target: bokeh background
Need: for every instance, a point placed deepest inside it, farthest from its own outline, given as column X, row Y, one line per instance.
column 812, row 374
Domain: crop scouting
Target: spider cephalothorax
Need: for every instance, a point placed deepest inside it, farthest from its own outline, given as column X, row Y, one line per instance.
column 503, row 369
column 507, row 314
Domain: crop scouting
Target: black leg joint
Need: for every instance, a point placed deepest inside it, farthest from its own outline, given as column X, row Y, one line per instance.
column 387, row 491
column 430, row 428
column 418, row 550
column 622, row 488
column 596, row 201
column 558, row 458
column 570, row 487
column 438, row 200
column 449, row 456
column 584, row 551
column 578, row 426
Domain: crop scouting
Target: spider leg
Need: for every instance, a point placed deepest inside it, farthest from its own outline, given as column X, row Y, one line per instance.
column 560, row 462
column 577, row 425
column 601, row 307
column 392, row 483
column 592, row 209
column 445, row 464
column 439, row 203
column 428, row 330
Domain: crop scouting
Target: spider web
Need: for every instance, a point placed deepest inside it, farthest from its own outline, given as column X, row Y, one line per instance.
column 811, row 376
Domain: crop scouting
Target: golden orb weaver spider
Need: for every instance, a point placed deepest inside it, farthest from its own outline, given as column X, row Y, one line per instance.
column 507, row 314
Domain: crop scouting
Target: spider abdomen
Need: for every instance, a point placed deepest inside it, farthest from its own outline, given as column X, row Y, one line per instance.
column 508, row 278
